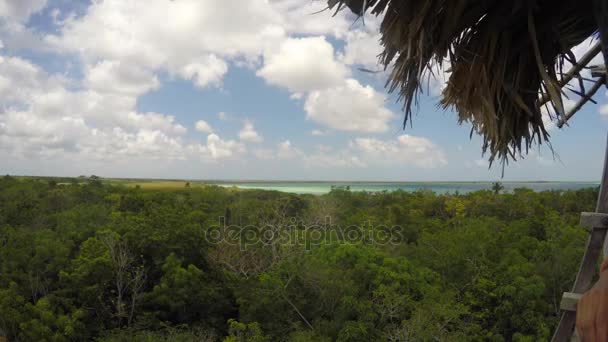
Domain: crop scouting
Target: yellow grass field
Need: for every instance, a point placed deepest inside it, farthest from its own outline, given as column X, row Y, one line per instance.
column 156, row 184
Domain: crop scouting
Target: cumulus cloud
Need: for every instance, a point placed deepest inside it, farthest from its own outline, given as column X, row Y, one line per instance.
column 333, row 160
column 248, row 133
column 21, row 80
column 287, row 151
column 323, row 157
column 40, row 116
column 406, row 149
column 349, row 107
column 303, row 64
column 119, row 77
column 123, row 47
column 20, row 10
column 298, row 18
column 209, row 71
column 195, row 47
column 203, row 127
column 362, row 48
column 218, row 148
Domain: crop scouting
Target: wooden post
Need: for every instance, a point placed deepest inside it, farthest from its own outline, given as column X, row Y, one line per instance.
column 587, row 269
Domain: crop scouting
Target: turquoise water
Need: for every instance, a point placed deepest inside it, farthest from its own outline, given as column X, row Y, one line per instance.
column 437, row 187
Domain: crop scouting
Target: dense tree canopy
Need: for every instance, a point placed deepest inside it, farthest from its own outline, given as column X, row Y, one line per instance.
column 90, row 261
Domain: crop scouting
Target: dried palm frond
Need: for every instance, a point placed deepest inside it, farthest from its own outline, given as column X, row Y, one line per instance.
column 506, row 58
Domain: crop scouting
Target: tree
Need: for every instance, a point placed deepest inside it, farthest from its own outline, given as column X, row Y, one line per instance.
column 242, row 332
column 185, row 294
column 129, row 279
column 497, row 187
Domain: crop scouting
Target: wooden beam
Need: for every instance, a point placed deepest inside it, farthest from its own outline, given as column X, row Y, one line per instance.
column 587, row 269
column 575, row 70
column 598, row 70
column 598, row 84
column 569, row 301
column 594, row 220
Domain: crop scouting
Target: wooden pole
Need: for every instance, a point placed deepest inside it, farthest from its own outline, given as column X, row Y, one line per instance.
column 575, row 70
column 598, row 84
column 588, row 266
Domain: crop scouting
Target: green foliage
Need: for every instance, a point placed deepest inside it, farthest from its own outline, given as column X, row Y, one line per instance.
column 241, row 332
column 186, row 295
column 83, row 260
column 45, row 323
column 169, row 334
column 497, row 187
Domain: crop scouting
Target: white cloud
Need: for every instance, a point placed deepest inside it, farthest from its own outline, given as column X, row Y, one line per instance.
column 333, row 160
column 248, row 133
column 323, row 157
column 302, row 65
column 40, row 116
column 349, row 107
column 27, row 134
column 406, row 149
column 209, row 71
column 604, row 110
column 118, row 77
column 20, row 10
column 115, row 29
column 217, row 148
column 362, row 48
column 203, row 127
column 150, row 143
column 123, row 46
column 195, row 47
column 308, row 17
column 152, row 121
column 145, row 33
column 21, row 80
column 287, row 151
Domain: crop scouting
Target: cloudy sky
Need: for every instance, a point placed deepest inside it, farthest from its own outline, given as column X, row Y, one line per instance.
column 233, row 89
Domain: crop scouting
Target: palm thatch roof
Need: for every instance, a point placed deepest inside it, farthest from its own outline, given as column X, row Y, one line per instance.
column 507, row 59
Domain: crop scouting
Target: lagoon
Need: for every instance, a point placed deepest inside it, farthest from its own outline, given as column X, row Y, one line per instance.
column 319, row 188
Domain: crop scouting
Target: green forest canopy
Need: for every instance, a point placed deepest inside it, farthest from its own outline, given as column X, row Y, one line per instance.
column 91, row 261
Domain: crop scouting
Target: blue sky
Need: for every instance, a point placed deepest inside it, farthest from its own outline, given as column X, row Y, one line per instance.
column 227, row 89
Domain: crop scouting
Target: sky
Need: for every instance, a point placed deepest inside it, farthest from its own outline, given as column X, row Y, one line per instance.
column 233, row 89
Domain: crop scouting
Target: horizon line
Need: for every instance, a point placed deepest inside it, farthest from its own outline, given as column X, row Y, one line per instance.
column 212, row 180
